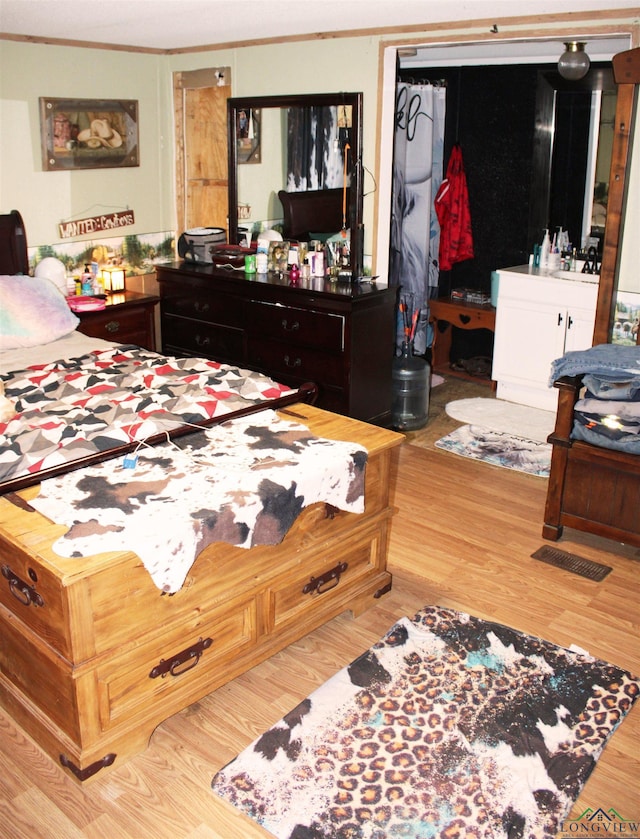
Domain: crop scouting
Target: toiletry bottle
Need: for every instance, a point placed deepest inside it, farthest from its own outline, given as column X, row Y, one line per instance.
column 573, row 265
column 318, row 267
column 292, row 257
column 545, row 250
column 87, row 281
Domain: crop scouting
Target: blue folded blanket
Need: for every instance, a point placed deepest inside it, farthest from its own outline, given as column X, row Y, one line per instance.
column 611, row 371
column 609, row 415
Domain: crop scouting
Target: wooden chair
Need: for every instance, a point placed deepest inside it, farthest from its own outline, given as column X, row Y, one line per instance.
column 592, row 489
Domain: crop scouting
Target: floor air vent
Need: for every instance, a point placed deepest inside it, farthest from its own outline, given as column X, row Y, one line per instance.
column 572, row 562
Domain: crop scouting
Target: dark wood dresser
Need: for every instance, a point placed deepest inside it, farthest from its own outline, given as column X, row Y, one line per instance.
column 340, row 336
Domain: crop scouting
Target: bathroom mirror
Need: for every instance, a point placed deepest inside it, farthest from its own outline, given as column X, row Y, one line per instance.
column 259, row 143
column 572, row 154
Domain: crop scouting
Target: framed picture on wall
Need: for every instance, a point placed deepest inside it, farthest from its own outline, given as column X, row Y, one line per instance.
column 626, row 321
column 88, row 133
column 248, row 135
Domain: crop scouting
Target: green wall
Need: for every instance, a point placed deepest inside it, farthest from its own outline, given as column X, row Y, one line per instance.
column 29, row 71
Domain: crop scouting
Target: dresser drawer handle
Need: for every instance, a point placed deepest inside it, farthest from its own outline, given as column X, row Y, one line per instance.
column 326, row 581
column 181, row 662
column 296, row 362
column 22, row 591
column 112, row 326
column 203, row 342
column 200, row 307
column 290, row 327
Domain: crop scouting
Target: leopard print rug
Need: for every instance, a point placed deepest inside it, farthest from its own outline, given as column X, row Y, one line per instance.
column 450, row 726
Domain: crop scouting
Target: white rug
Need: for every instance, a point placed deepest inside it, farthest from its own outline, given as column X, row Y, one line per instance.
column 504, row 417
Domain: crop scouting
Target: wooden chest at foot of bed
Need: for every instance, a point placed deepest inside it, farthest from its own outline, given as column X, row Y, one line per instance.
column 94, row 656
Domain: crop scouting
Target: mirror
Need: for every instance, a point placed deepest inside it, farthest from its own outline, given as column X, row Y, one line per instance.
column 626, row 71
column 571, row 155
column 261, row 133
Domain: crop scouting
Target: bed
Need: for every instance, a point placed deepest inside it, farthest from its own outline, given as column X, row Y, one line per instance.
column 99, row 645
column 594, row 481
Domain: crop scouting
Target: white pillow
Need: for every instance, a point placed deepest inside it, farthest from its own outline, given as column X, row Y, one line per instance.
column 32, row 312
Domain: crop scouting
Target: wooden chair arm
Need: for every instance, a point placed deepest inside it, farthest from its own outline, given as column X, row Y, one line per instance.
column 569, row 388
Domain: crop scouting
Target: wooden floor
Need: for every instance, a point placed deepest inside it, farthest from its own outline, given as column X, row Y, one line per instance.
column 462, row 537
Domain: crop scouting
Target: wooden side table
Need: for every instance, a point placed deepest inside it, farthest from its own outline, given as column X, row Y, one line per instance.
column 127, row 319
column 445, row 313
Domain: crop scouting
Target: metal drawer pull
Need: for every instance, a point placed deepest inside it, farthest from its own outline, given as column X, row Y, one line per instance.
column 112, row 326
column 295, row 363
column 181, row 662
column 199, row 306
column 202, row 342
column 285, row 325
column 327, row 581
column 22, row 591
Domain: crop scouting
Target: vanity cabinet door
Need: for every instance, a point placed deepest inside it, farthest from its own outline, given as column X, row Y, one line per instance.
column 580, row 324
column 538, row 319
column 528, row 337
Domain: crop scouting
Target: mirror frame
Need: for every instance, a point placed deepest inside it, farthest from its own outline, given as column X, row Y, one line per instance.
column 550, row 85
column 236, row 104
column 626, row 72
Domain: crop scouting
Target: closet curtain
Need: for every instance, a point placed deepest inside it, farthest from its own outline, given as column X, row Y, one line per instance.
column 417, row 174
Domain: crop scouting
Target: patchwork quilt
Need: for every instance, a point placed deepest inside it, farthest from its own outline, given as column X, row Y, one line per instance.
column 450, row 726
column 76, row 407
column 243, row 482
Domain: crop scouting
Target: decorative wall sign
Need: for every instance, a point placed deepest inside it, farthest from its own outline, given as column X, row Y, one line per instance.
column 88, row 133
column 95, row 224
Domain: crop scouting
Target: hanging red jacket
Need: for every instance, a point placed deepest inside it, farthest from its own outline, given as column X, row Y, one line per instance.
column 452, row 208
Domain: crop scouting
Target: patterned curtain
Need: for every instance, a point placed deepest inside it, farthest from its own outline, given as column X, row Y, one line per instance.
column 314, row 149
column 417, row 175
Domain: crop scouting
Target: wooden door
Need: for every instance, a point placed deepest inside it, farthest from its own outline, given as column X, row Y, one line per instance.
column 200, row 102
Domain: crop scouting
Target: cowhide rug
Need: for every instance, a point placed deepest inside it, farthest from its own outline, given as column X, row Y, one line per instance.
column 243, row 483
column 448, row 726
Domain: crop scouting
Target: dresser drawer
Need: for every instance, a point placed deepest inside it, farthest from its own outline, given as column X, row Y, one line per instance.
column 118, row 324
column 322, row 585
column 300, row 364
column 299, row 327
column 172, row 670
column 219, row 341
column 160, row 675
column 211, row 308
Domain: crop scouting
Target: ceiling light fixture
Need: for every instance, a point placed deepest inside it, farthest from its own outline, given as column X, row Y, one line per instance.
column 574, row 63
